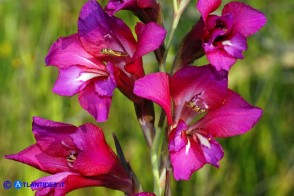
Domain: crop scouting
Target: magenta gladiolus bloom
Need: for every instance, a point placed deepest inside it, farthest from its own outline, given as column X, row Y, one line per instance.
column 76, row 156
column 146, row 10
column 80, row 73
column 197, row 91
column 103, row 55
column 225, row 36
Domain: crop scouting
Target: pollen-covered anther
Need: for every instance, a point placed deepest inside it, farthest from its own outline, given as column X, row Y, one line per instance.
column 111, row 52
column 173, row 126
column 195, row 107
column 71, row 158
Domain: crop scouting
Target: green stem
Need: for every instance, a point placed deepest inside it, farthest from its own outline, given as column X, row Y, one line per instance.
column 175, row 3
column 155, row 157
column 155, row 162
column 155, row 172
column 178, row 11
column 174, row 26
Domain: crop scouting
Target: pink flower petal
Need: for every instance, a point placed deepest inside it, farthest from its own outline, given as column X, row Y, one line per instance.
column 220, row 59
column 114, row 6
column 177, row 138
column 247, row 20
column 105, row 86
column 235, row 46
column 135, row 68
column 98, row 106
column 53, row 137
column 225, row 54
column 146, row 10
column 212, row 150
column 74, row 79
column 35, row 157
column 69, row 181
column 206, row 7
column 150, row 37
column 234, row 117
column 68, row 51
column 155, row 87
column 185, row 154
column 95, row 151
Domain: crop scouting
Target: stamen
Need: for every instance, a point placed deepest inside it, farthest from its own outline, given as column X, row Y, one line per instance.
column 71, row 158
column 197, row 104
column 111, row 52
column 70, row 164
column 194, row 107
column 64, row 144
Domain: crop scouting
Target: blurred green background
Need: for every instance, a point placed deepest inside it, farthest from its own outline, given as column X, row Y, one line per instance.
column 261, row 162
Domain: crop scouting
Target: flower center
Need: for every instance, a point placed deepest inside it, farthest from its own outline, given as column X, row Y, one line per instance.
column 194, row 107
column 218, row 28
column 220, row 25
column 197, row 104
column 71, row 158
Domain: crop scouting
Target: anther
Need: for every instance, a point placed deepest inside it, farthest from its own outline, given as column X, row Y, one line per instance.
column 111, row 52
column 195, row 107
column 71, row 157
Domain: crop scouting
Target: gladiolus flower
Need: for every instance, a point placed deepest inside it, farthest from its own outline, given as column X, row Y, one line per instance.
column 225, row 37
column 75, row 156
column 197, row 91
column 103, row 55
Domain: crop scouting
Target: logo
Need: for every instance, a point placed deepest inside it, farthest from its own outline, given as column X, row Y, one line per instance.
column 7, row 184
column 17, row 184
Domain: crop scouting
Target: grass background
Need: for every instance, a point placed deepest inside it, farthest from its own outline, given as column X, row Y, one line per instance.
column 261, row 162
